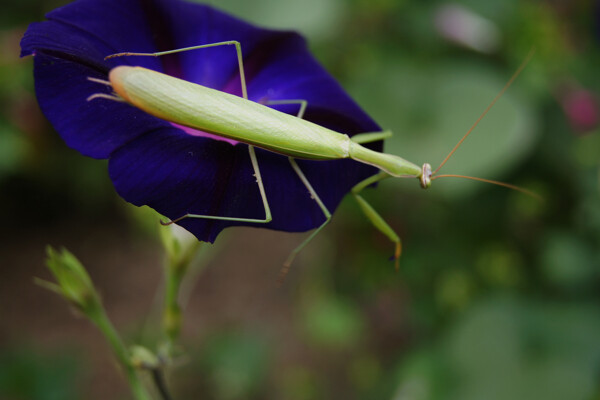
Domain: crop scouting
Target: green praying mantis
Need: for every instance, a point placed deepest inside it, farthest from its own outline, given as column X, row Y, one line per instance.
column 233, row 117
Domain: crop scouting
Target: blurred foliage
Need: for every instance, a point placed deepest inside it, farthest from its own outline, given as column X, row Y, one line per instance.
column 236, row 364
column 497, row 296
column 29, row 375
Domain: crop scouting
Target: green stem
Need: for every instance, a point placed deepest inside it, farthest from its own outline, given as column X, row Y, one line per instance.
column 120, row 351
column 172, row 312
column 159, row 381
column 175, row 272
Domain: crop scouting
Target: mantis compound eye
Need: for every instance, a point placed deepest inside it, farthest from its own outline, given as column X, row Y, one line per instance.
column 425, row 177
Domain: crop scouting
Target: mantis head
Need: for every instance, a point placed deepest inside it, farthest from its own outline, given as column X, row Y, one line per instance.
column 425, row 177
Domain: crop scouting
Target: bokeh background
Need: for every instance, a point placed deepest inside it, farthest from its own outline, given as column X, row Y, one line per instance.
column 497, row 296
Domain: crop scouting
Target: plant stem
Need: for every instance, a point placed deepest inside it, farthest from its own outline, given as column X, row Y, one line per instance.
column 159, row 381
column 176, row 270
column 120, row 351
column 172, row 311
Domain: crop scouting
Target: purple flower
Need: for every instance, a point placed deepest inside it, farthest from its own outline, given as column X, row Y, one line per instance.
column 171, row 169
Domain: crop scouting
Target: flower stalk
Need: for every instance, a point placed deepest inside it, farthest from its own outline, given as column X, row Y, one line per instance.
column 181, row 252
column 74, row 284
column 122, row 354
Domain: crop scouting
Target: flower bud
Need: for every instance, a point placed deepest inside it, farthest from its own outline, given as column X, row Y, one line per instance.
column 73, row 282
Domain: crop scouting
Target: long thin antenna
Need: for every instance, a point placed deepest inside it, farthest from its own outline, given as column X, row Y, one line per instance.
column 507, row 185
column 510, row 81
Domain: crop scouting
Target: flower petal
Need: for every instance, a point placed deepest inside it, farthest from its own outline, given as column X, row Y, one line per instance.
column 153, row 162
column 95, row 128
column 189, row 24
column 86, row 31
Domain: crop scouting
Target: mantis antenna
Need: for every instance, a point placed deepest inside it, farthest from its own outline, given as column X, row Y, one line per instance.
column 427, row 178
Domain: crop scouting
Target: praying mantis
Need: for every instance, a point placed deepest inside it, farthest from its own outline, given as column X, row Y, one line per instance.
column 233, row 117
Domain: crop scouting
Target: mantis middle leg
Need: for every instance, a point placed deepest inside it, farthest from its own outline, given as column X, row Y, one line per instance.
column 313, row 194
column 366, row 207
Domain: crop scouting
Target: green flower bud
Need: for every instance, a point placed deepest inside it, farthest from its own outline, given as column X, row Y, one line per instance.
column 73, row 282
column 142, row 358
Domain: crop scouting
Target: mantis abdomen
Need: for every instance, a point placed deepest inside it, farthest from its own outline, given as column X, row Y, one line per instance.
column 226, row 115
column 236, row 118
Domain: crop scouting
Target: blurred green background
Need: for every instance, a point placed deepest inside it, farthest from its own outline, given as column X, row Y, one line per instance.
column 497, row 296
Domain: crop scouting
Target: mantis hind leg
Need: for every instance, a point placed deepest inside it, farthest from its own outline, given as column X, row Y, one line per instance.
column 251, row 151
column 268, row 218
column 374, row 216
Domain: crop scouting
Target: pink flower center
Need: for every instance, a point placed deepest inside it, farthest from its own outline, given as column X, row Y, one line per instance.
column 196, row 132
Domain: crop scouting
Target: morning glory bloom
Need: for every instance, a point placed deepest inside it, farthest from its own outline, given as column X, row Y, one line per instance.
column 177, row 170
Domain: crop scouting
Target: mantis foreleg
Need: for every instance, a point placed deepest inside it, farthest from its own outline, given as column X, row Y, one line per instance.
column 374, row 216
column 369, row 137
